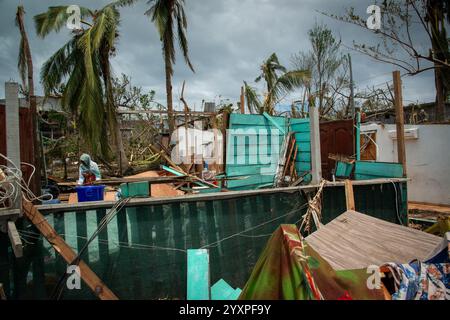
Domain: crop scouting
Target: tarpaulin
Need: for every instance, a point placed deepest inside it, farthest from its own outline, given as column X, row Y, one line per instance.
column 290, row 269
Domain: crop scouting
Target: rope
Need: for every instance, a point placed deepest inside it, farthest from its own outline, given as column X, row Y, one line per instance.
column 314, row 211
column 12, row 176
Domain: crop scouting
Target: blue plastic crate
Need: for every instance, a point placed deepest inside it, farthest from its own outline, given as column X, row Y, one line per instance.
column 90, row 193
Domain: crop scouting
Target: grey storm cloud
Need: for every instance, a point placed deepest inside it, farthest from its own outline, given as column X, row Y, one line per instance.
column 228, row 40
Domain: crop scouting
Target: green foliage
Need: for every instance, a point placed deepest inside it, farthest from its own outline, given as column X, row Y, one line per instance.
column 82, row 69
column 170, row 20
column 328, row 68
column 279, row 82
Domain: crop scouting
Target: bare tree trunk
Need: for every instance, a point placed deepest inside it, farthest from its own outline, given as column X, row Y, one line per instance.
column 169, row 94
column 440, row 95
column 32, row 101
column 122, row 156
column 114, row 124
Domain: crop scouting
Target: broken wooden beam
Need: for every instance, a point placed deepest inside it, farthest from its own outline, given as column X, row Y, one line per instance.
column 14, row 238
column 349, row 196
column 87, row 275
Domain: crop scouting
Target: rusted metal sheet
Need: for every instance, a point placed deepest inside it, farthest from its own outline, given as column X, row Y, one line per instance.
column 337, row 138
column 26, row 140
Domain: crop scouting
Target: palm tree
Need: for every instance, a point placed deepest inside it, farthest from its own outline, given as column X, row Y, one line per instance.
column 25, row 66
column 166, row 15
column 83, row 65
column 279, row 82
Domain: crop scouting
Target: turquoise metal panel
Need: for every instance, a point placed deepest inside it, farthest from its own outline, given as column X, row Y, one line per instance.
column 253, row 147
column 198, row 274
column 344, row 169
column 221, row 290
column 365, row 170
column 253, row 181
column 253, row 119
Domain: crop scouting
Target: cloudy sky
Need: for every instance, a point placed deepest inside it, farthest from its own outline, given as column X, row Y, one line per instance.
column 228, row 40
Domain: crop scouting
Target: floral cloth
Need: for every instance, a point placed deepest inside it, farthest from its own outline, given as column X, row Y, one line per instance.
column 424, row 280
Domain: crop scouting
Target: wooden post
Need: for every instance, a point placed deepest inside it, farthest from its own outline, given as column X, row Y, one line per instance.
column 60, row 246
column 13, row 130
column 349, row 196
column 225, row 121
column 16, row 242
column 316, row 160
column 399, row 121
column 242, row 100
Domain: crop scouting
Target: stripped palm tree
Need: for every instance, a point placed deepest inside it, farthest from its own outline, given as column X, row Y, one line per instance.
column 83, row 66
column 279, row 83
column 168, row 15
column 25, row 66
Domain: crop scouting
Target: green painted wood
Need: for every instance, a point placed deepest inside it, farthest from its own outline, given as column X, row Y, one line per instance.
column 252, row 119
column 198, row 274
column 221, row 290
column 304, row 157
column 344, row 169
column 304, row 147
column 246, row 143
column 303, row 137
column 302, row 167
column 252, row 180
column 281, row 127
column 245, row 170
column 259, row 140
column 365, row 170
column 250, row 160
column 301, row 128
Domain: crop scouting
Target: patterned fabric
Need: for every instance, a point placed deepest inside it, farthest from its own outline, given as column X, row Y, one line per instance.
column 424, row 281
column 290, row 269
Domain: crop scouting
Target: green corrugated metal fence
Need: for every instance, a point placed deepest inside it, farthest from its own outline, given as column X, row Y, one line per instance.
column 142, row 253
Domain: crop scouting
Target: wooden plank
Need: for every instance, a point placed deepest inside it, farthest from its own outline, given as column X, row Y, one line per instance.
column 198, row 278
column 16, row 242
column 349, row 196
column 399, row 120
column 88, row 276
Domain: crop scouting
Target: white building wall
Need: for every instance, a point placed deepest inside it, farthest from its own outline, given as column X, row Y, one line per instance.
column 427, row 159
